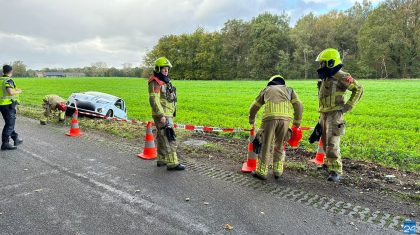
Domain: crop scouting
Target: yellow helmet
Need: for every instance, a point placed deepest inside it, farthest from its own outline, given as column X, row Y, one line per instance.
column 274, row 77
column 331, row 57
column 162, row 62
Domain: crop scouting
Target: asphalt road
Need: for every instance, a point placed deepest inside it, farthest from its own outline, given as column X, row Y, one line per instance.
column 54, row 184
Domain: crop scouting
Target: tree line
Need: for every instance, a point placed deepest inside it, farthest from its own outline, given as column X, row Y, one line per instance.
column 98, row 69
column 375, row 42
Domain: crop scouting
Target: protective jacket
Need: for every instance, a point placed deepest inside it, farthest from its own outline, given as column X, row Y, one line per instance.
column 6, row 99
column 331, row 92
column 53, row 101
column 162, row 97
column 281, row 102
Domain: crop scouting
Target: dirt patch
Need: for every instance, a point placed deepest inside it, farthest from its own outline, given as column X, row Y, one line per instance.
column 364, row 183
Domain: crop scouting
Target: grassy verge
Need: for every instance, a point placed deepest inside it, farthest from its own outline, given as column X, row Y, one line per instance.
column 383, row 128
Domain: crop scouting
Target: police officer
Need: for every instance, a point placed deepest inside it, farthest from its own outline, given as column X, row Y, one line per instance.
column 8, row 101
column 332, row 86
column 281, row 104
column 162, row 99
column 53, row 103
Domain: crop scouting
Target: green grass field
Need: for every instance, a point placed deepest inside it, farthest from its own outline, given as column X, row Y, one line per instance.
column 383, row 127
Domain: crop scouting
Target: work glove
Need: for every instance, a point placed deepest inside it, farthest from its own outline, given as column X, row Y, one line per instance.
column 170, row 134
column 256, row 145
column 316, row 134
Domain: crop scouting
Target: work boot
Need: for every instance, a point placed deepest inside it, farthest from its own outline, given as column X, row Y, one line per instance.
column 277, row 177
column 179, row 167
column 323, row 167
column 43, row 122
column 61, row 120
column 160, row 163
column 17, row 141
column 334, row 177
column 7, row 146
column 256, row 175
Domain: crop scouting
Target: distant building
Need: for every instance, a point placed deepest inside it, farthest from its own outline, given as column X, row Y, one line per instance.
column 54, row 74
column 58, row 74
column 39, row 74
column 75, row 74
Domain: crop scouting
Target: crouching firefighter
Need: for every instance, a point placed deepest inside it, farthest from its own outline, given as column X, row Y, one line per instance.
column 162, row 99
column 8, row 101
column 281, row 104
column 53, row 103
column 332, row 86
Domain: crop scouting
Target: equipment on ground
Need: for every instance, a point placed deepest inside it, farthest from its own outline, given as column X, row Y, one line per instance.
column 256, row 144
column 170, row 133
column 296, row 136
column 316, row 134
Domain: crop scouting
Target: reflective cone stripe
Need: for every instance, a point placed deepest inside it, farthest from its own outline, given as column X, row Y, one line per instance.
column 251, row 161
column 149, row 135
column 74, row 123
column 74, row 128
column 149, row 151
column 320, row 154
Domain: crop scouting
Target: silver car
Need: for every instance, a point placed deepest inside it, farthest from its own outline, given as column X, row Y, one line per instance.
column 97, row 103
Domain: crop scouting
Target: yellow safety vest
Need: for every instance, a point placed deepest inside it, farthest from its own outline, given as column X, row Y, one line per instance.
column 5, row 99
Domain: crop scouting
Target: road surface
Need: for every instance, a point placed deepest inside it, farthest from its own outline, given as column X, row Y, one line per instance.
column 54, row 184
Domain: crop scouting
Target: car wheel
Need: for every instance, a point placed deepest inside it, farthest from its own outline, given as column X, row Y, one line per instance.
column 110, row 113
column 69, row 111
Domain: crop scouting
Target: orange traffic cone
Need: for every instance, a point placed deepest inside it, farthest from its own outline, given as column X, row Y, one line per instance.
column 74, row 128
column 149, row 151
column 320, row 154
column 251, row 162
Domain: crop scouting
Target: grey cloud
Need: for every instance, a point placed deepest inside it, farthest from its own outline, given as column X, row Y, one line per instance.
column 65, row 33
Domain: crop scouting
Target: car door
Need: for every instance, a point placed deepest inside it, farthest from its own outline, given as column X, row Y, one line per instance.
column 120, row 110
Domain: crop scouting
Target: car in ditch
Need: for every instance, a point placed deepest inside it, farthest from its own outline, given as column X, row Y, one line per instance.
column 97, row 103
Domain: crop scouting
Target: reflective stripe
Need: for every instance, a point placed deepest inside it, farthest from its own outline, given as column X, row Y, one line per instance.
column 256, row 104
column 278, row 167
column 354, row 99
column 282, row 109
column 149, row 144
column 3, row 88
column 333, row 94
column 262, row 168
column 172, row 159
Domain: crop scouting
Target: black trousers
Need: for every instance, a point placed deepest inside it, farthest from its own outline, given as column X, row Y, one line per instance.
column 9, row 115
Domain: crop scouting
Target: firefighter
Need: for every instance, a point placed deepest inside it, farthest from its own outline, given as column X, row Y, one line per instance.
column 332, row 86
column 8, row 101
column 281, row 104
column 162, row 99
column 53, row 103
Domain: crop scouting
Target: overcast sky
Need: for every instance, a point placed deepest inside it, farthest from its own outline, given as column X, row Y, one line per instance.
column 77, row 33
